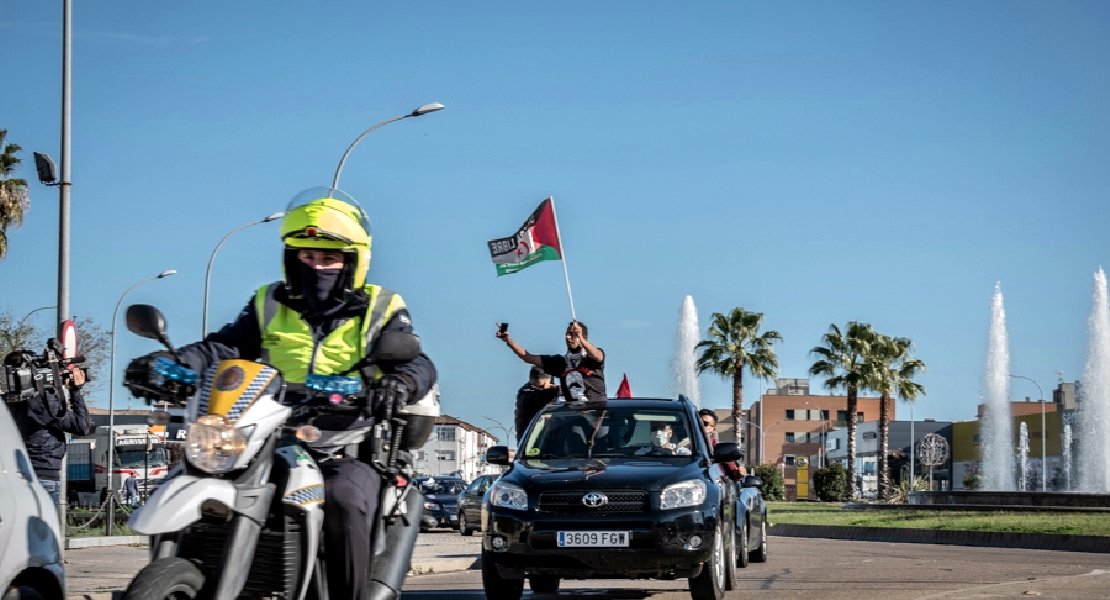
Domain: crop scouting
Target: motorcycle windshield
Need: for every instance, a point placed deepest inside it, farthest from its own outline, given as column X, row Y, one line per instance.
column 320, row 193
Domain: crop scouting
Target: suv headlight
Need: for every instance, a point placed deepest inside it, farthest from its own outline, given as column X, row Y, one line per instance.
column 681, row 494
column 509, row 496
column 213, row 444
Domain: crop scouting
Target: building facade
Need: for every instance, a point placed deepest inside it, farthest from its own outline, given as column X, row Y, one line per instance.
column 455, row 448
column 898, row 448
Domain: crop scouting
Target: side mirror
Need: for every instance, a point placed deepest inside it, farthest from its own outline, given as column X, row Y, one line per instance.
column 397, row 346
column 146, row 321
column 727, row 452
column 498, row 455
column 751, row 481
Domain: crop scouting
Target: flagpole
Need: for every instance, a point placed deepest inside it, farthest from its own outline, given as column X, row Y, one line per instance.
column 562, row 256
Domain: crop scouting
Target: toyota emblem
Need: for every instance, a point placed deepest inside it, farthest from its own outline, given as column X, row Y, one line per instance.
column 595, row 499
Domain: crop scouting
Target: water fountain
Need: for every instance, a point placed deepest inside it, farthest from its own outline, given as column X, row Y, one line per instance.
column 996, row 433
column 1023, row 457
column 685, row 372
column 1094, row 410
column 1068, row 486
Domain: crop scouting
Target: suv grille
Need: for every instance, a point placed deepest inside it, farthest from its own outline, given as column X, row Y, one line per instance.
column 622, row 501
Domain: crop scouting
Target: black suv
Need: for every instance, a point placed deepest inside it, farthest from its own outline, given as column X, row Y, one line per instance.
column 613, row 489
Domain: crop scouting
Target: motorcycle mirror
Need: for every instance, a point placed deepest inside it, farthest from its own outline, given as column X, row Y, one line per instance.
column 146, row 321
column 396, row 346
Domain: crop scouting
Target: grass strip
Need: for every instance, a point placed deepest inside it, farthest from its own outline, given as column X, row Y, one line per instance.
column 804, row 513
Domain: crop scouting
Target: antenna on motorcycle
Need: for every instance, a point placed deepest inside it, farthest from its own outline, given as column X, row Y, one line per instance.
column 146, row 321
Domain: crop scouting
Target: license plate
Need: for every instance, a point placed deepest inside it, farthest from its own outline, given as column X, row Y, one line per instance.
column 593, row 539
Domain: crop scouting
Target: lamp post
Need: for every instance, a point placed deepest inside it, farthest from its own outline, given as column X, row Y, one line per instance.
column 820, row 462
column 28, row 315
column 761, row 432
column 211, row 259
column 1044, row 434
column 419, row 112
column 111, row 399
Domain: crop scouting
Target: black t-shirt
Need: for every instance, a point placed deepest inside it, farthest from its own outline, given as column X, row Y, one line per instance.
column 579, row 375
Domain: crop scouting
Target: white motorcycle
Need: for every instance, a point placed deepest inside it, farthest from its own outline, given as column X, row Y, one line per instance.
column 242, row 516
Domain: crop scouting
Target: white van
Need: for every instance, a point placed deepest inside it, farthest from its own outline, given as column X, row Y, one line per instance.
column 30, row 538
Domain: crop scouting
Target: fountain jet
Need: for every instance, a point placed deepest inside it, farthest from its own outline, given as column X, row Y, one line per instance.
column 996, row 437
column 1094, row 408
column 685, row 373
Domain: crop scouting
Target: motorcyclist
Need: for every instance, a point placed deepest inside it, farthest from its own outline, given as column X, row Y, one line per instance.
column 324, row 318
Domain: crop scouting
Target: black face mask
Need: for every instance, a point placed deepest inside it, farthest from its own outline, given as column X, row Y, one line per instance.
column 319, row 286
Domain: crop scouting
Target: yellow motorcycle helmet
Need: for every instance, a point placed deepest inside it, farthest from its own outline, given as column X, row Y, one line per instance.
column 327, row 219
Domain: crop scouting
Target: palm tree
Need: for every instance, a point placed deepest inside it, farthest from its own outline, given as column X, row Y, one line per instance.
column 735, row 343
column 890, row 373
column 13, row 192
column 842, row 361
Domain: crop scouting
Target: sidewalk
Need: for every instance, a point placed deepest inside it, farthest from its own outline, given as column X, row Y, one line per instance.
column 95, row 573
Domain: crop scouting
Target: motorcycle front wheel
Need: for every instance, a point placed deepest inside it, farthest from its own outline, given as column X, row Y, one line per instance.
column 166, row 579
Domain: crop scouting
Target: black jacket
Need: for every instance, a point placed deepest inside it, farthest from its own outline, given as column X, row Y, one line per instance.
column 242, row 338
column 529, row 401
column 43, row 423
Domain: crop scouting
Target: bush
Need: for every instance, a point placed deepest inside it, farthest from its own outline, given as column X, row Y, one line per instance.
column 772, row 481
column 972, row 481
column 831, row 483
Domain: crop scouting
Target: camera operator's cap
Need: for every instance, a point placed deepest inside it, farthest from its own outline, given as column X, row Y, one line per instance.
column 329, row 219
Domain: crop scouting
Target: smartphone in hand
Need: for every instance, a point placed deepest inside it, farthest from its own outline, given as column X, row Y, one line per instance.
column 503, row 328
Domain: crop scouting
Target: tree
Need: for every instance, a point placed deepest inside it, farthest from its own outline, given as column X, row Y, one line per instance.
column 14, row 200
column 773, row 488
column 735, row 343
column 891, row 370
column 93, row 342
column 842, row 362
column 831, row 483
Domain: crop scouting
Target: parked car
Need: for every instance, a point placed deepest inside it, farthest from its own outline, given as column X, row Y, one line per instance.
column 30, row 536
column 441, row 497
column 470, row 504
column 751, row 524
column 613, row 489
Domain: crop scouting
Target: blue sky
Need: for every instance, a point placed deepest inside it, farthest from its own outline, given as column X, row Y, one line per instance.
column 818, row 162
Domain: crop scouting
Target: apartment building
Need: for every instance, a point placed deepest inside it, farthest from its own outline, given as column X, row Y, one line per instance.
column 456, row 448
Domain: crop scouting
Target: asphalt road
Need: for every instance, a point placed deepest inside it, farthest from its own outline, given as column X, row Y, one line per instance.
column 833, row 569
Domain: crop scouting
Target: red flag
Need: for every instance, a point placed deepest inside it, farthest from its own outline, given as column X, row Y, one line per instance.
column 624, row 391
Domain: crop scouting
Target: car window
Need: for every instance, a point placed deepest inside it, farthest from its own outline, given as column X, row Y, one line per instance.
column 610, row 432
column 440, row 487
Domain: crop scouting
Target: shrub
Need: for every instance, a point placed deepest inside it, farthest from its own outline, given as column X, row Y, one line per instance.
column 972, row 481
column 831, row 483
column 772, row 481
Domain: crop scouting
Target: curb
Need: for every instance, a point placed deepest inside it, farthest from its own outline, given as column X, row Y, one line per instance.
column 991, row 539
column 73, row 543
column 443, row 565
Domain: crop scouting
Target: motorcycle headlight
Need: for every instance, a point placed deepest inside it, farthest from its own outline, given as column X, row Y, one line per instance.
column 508, row 495
column 213, row 444
column 683, row 493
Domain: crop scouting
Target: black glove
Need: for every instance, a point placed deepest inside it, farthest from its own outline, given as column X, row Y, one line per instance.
column 390, row 394
column 137, row 377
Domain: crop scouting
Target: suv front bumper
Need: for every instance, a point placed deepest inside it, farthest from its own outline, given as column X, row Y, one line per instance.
column 661, row 543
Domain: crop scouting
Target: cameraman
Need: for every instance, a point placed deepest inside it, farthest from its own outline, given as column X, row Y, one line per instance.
column 43, row 422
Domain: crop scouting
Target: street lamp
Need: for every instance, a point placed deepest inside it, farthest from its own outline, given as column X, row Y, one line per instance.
column 762, row 429
column 28, row 315
column 208, row 273
column 112, row 396
column 1044, row 434
column 421, row 111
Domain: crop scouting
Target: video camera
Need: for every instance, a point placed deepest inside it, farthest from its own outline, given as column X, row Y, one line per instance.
column 26, row 374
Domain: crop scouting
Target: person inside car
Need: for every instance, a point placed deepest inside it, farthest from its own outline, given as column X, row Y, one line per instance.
column 708, row 418
column 663, row 441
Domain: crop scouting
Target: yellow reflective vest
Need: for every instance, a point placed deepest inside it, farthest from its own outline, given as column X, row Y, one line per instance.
column 288, row 344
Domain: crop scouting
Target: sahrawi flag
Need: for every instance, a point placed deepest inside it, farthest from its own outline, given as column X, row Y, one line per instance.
column 537, row 240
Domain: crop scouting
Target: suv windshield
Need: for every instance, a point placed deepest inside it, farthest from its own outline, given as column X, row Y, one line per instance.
column 609, row 432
